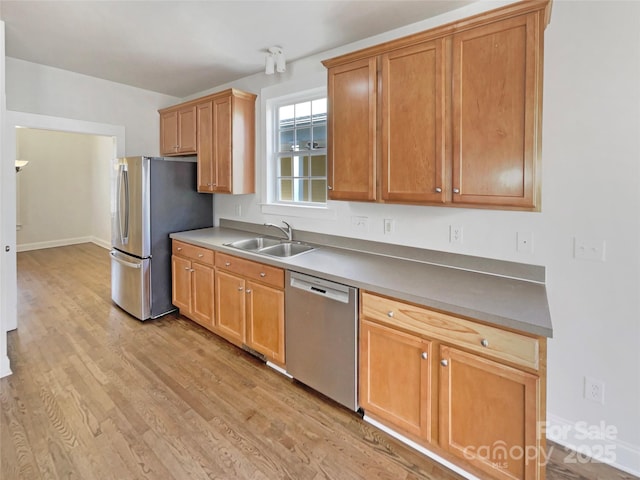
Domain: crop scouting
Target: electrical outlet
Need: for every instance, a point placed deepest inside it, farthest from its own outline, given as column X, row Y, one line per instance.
column 594, row 390
column 524, row 241
column 389, row 225
column 455, row 233
column 360, row 223
column 588, row 249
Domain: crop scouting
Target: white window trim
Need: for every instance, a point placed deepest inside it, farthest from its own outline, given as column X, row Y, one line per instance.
column 271, row 98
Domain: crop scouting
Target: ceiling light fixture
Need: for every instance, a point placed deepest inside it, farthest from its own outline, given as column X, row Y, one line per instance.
column 275, row 61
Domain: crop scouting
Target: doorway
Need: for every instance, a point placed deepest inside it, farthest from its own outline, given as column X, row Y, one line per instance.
column 8, row 275
column 63, row 192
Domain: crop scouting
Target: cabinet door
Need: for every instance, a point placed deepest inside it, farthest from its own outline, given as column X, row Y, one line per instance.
column 351, row 171
column 265, row 321
column 496, row 99
column 169, row 133
column 395, row 378
column 230, row 306
column 205, row 147
column 187, row 130
column 202, row 294
column 222, row 153
column 181, row 283
column 413, row 123
column 489, row 414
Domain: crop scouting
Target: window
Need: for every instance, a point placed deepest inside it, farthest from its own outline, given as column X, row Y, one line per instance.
column 300, row 153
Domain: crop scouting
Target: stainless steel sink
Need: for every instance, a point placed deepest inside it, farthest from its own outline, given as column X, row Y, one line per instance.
column 286, row 249
column 254, row 244
column 270, row 246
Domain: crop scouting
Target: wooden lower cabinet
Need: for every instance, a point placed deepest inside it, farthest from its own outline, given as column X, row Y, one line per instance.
column 230, row 306
column 192, row 279
column 488, row 414
column 477, row 407
column 395, row 378
column 250, row 305
column 265, row 320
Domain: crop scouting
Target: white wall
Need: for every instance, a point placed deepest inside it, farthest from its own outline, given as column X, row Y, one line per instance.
column 64, row 190
column 34, row 88
column 590, row 189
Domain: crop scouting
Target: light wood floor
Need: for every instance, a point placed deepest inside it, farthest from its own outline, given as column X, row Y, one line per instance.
column 96, row 394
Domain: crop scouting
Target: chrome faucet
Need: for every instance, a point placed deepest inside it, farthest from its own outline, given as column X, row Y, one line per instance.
column 288, row 231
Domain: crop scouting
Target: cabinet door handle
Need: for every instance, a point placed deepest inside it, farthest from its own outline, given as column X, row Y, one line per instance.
column 179, row 249
column 329, row 187
column 484, row 342
column 240, row 289
column 424, row 355
column 390, row 313
column 444, row 362
column 227, row 264
column 456, row 190
column 438, row 190
column 248, row 290
column 187, row 268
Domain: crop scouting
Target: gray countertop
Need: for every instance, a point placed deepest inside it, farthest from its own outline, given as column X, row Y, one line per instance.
column 517, row 304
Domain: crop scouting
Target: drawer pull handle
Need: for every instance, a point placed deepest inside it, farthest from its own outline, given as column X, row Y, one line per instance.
column 424, row 355
column 227, row 264
column 438, row 190
column 484, row 342
column 262, row 274
column 179, row 249
column 444, row 362
column 200, row 255
column 390, row 313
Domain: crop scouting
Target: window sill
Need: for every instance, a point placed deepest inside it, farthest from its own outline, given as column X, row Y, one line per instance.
column 307, row 211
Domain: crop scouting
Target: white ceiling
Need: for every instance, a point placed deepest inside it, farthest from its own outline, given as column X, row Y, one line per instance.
column 183, row 47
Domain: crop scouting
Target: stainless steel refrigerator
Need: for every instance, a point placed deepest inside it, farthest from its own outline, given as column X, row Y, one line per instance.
column 151, row 198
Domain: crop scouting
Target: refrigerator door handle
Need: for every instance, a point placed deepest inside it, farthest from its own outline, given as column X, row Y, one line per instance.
column 122, row 262
column 123, row 204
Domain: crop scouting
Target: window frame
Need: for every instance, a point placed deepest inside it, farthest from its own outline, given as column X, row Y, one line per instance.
column 306, row 153
column 271, row 100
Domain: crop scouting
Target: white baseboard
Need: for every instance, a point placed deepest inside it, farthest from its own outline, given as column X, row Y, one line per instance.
column 101, row 243
column 598, row 442
column 5, row 367
column 421, row 449
column 25, row 247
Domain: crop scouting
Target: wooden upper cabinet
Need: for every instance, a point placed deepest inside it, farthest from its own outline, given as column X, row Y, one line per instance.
column 206, row 171
column 226, row 143
column 413, row 123
column 168, row 132
column 352, row 135
column 220, row 128
column 496, row 98
column 449, row 116
column 178, row 131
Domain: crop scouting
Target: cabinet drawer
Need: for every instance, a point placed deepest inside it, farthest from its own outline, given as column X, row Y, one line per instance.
column 201, row 255
column 252, row 270
column 483, row 339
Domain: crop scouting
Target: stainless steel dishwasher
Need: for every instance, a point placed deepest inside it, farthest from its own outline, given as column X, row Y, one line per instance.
column 321, row 335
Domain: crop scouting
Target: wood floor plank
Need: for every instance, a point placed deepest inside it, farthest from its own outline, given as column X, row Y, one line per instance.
column 97, row 394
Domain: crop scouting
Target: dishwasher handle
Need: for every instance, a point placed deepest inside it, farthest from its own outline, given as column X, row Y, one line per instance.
column 323, row 288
